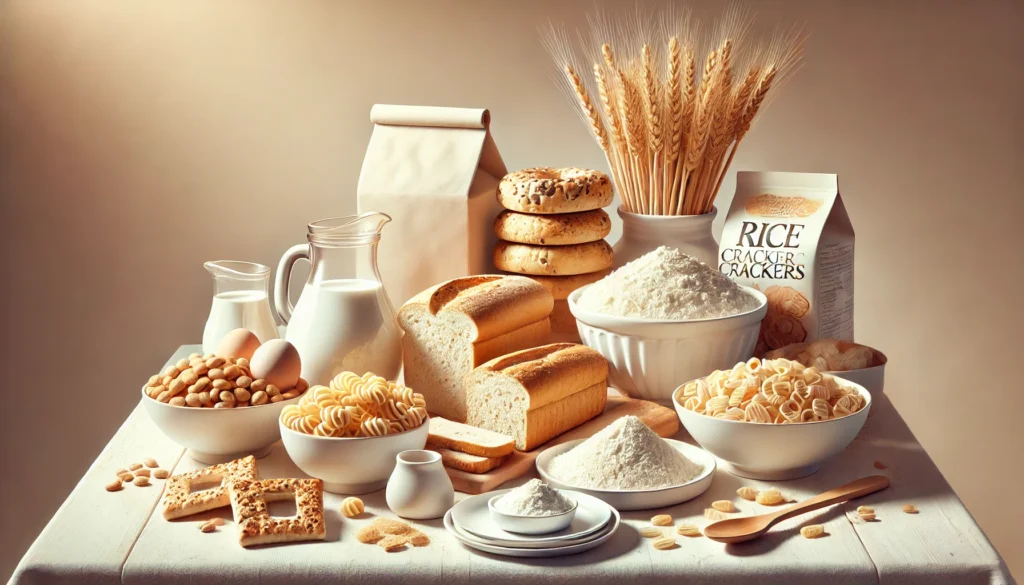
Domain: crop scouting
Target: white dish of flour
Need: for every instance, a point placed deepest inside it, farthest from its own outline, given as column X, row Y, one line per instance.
column 471, row 515
column 643, row 499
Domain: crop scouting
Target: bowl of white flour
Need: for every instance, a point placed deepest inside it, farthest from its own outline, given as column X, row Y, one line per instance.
column 667, row 318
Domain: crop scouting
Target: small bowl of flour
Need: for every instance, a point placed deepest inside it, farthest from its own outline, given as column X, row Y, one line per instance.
column 665, row 319
column 532, row 508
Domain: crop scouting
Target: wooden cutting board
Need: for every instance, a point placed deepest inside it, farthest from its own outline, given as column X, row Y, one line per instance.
column 660, row 419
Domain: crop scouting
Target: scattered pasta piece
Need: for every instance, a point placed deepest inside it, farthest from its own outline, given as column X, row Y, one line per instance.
column 651, row 531
column 909, row 508
column 352, row 507
column 812, row 531
column 770, row 497
column 662, row 520
column 865, row 510
column 747, row 493
column 714, row 515
column 688, row 530
column 664, row 543
column 724, row 506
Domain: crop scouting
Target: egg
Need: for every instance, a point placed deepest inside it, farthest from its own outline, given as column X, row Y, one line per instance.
column 277, row 362
column 238, row 343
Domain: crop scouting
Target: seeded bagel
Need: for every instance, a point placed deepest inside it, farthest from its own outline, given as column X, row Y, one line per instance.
column 545, row 190
column 557, row 229
column 553, row 260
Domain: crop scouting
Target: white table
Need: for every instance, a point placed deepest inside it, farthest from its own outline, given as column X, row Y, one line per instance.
column 99, row 537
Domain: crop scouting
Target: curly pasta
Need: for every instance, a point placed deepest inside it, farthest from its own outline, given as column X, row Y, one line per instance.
column 770, row 391
column 356, row 406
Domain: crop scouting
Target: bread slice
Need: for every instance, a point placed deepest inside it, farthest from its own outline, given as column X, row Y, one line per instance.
column 455, row 326
column 466, row 462
column 466, row 439
column 536, row 394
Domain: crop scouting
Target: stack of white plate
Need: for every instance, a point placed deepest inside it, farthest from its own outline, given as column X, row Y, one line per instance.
column 470, row 522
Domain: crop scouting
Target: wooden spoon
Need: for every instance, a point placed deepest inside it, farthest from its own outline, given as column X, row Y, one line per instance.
column 751, row 527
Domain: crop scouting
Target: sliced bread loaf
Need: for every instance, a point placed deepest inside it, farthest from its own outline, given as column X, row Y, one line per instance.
column 466, row 462
column 455, row 326
column 537, row 394
column 467, row 439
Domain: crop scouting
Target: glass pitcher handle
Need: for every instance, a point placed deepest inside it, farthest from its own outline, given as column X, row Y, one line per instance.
column 282, row 300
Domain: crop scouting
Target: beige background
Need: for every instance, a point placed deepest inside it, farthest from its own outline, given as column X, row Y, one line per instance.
column 141, row 138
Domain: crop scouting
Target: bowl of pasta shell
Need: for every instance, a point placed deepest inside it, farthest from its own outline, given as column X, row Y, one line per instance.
column 851, row 361
column 774, row 419
column 349, row 433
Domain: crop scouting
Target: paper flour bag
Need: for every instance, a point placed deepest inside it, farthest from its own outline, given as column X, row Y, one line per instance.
column 435, row 171
column 788, row 235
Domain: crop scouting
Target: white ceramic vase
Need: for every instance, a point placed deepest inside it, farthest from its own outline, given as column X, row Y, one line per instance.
column 419, row 488
column 691, row 234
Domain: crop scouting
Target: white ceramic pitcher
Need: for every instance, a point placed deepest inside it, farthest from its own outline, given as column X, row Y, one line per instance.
column 341, row 322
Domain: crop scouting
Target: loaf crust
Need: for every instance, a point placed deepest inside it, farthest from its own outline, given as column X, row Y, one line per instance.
column 553, row 260
column 557, row 229
column 563, row 384
column 255, row 524
column 561, row 287
column 467, row 439
column 180, row 501
column 495, row 304
column 545, row 190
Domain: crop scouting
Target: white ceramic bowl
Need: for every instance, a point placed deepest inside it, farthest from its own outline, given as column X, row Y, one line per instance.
column 649, row 358
column 772, row 451
column 637, row 499
column 216, row 435
column 351, row 465
column 872, row 379
column 530, row 524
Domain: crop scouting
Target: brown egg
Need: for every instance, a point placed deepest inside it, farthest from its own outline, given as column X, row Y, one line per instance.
column 238, row 343
column 277, row 362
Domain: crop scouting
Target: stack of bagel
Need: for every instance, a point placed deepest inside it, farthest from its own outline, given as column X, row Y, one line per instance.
column 553, row 230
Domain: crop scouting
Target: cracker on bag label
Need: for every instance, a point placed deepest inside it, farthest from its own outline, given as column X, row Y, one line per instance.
column 788, row 235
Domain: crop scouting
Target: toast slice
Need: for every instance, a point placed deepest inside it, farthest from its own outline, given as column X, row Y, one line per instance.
column 467, row 439
column 466, row 462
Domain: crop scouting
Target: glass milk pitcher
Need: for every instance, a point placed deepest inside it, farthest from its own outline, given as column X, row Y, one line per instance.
column 239, row 300
column 341, row 322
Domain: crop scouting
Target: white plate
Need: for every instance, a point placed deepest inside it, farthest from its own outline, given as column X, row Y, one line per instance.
column 472, row 516
column 638, row 499
column 599, row 539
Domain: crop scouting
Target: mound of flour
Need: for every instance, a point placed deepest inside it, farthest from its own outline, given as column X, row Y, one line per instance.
column 667, row 284
column 625, row 455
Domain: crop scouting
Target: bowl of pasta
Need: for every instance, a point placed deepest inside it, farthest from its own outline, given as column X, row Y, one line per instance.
column 774, row 419
column 349, row 433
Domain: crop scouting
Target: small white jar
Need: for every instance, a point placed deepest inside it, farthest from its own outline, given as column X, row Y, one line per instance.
column 419, row 488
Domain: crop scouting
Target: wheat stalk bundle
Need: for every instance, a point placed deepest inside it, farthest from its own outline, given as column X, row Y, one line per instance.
column 669, row 127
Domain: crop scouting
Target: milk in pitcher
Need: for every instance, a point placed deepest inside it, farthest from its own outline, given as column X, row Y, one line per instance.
column 340, row 325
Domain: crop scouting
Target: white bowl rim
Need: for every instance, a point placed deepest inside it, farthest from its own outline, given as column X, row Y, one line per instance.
column 861, row 389
column 426, row 421
column 708, row 471
column 240, row 409
column 584, row 313
column 490, row 506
